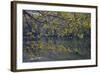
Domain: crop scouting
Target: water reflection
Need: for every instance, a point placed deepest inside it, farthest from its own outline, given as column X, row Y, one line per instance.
column 58, row 48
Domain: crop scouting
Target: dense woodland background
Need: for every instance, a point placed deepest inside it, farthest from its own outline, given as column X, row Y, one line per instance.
column 53, row 35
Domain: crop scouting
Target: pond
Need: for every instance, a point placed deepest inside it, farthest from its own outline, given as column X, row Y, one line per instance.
column 56, row 49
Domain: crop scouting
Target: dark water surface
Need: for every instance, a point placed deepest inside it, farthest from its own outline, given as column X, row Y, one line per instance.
column 66, row 48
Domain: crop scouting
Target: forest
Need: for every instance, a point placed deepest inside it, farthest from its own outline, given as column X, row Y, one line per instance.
column 56, row 36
